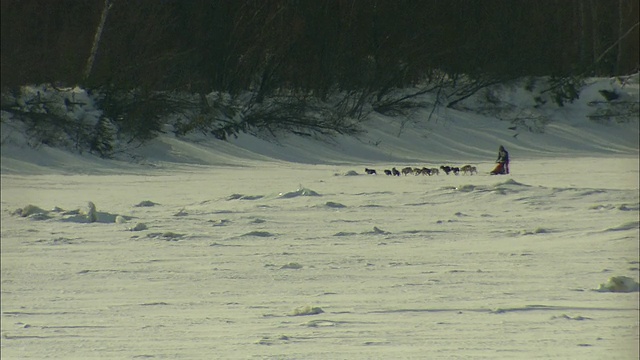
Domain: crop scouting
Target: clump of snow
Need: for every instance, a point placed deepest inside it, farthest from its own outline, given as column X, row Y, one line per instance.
column 334, row 205
column 350, row 173
column 292, row 265
column 267, row 340
column 146, row 203
column 628, row 207
column 220, row 222
column 567, row 317
column 244, row 197
column 302, row 191
column 259, row 234
column 307, row 310
column 181, row 212
column 139, row 227
column 466, row 188
column 167, row 235
column 619, row 284
column 344, row 233
column 321, row 323
column 29, row 210
column 376, row 231
column 626, row 226
column 535, row 231
column 88, row 215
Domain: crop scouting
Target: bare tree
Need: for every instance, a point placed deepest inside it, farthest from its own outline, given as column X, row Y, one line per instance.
column 96, row 39
column 627, row 37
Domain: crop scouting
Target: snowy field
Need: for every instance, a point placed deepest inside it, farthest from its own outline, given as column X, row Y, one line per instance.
column 249, row 249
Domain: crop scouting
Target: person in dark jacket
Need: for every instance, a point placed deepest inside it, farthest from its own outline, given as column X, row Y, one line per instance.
column 503, row 159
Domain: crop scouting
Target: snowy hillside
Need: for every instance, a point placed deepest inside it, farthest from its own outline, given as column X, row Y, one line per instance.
column 500, row 115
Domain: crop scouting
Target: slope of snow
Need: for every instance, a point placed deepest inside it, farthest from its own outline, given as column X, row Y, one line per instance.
column 447, row 135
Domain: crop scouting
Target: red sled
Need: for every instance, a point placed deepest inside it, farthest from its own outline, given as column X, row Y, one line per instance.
column 498, row 170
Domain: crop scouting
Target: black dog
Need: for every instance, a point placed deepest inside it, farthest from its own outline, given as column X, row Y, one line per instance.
column 370, row 171
column 449, row 169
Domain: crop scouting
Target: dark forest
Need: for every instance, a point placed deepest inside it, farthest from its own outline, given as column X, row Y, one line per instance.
column 314, row 45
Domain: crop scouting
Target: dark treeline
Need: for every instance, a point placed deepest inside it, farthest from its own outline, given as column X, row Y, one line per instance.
column 314, row 46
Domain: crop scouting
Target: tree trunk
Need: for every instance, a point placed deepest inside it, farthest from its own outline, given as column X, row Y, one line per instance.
column 96, row 39
column 584, row 37
column 595, row 36
column 626, row 61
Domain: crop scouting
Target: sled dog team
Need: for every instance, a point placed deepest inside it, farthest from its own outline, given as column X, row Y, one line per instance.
column 467, row 169
column 501, row 169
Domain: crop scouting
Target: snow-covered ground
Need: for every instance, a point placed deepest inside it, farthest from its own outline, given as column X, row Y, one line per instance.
column 254, row 249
